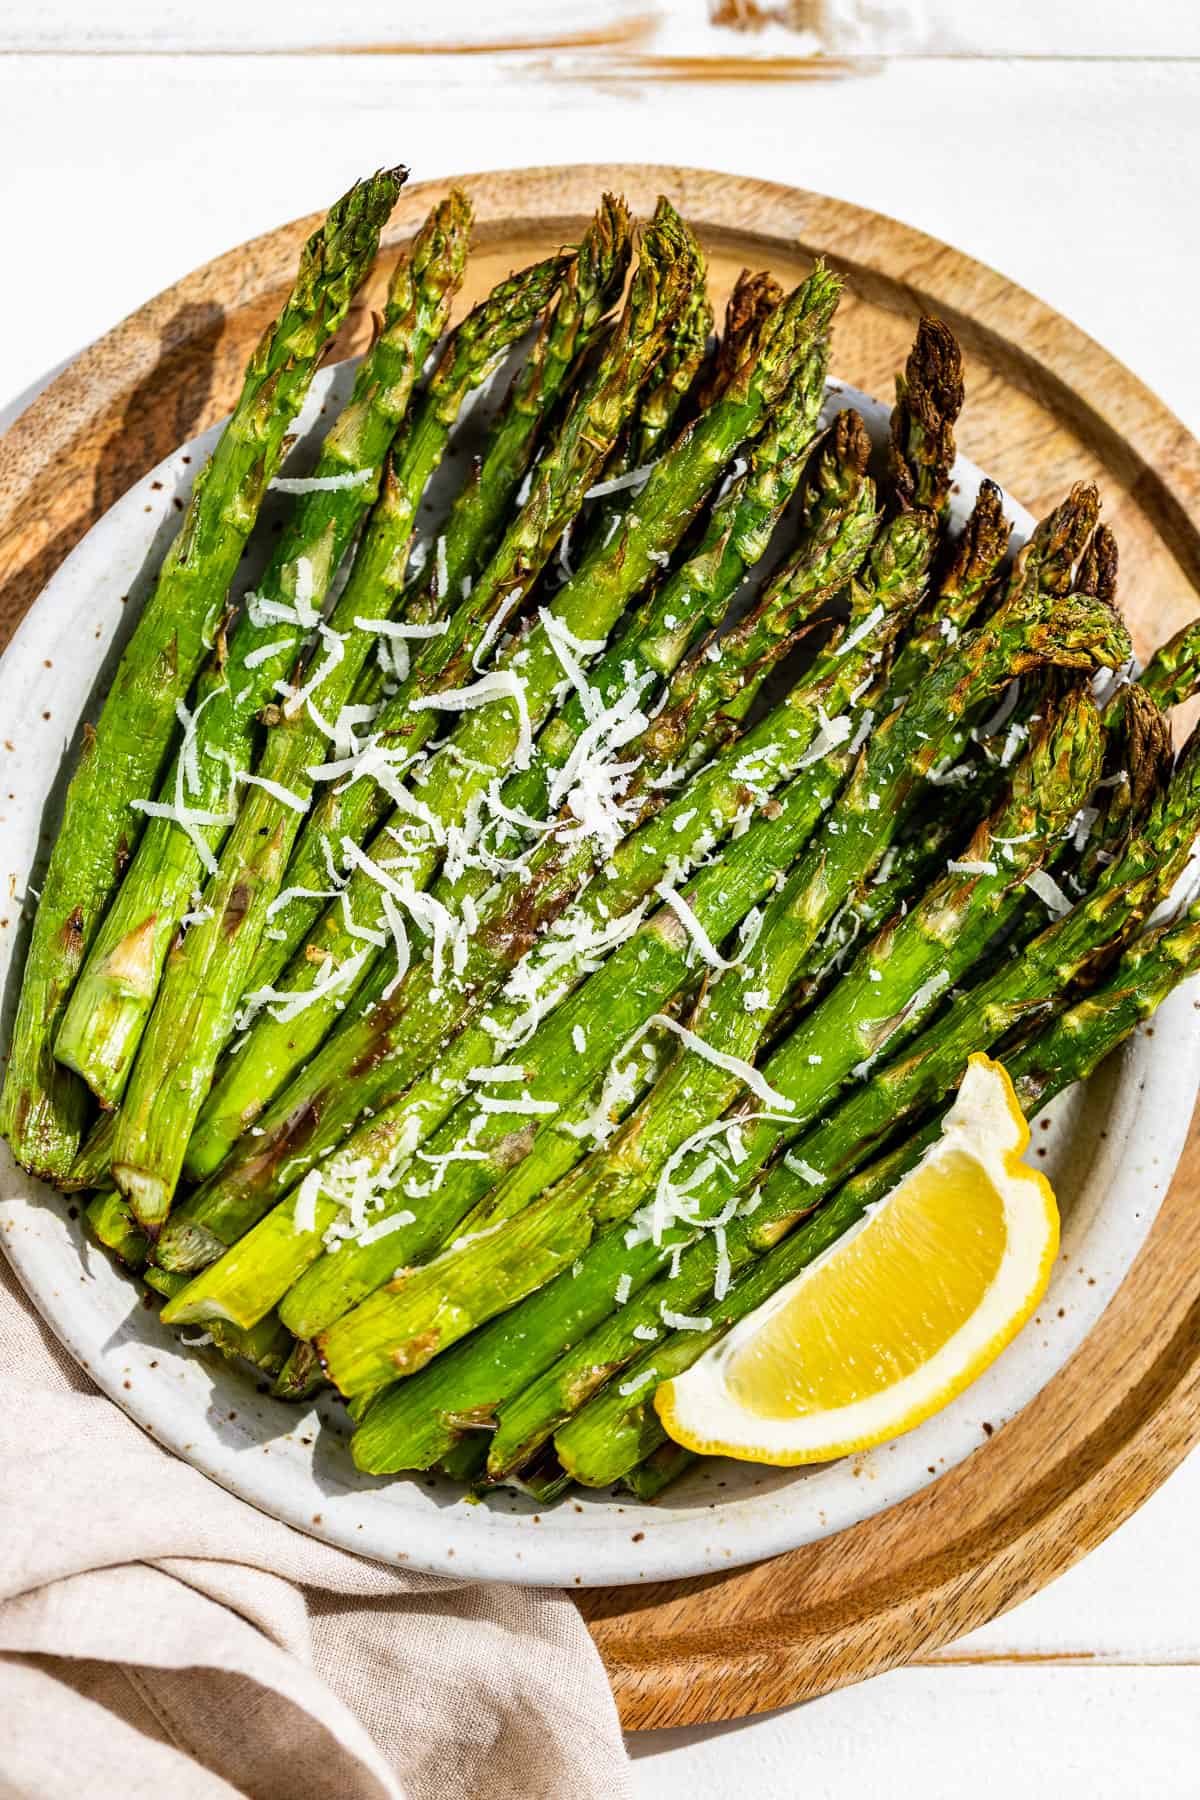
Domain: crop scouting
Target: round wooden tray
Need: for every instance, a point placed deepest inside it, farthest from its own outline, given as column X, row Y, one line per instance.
column 1045, row 406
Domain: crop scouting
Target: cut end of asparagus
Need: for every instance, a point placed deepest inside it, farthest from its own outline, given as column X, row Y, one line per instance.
column 162, row 1281
column 185, row 1247
column 109, row 1222
column 149, row 1197
column 193, row 1305
column 301, row 1375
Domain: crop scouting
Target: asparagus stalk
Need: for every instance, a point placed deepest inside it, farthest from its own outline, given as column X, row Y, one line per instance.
column 665, row 1464
column 473, row 529
column 266, row 1346
column 205, row 971
column 111, row 1001
column 160, row 1281
column 593, row 281
column 893, row 986
column 300, row 1375
column 718, row 797
column 491, row 738
column 663, row 400
column 359, row 1349
column 532, row 1163
column 43, row 1106
column 669, row 267
column 650, row 646
column 277, row 1251
column 661, row 403
column 94, row 1159
column 614, row 1430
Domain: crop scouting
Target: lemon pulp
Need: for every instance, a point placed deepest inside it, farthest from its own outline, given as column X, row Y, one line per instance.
column 877, row 1309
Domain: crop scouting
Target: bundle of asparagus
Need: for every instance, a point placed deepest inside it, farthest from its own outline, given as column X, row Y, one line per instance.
column 541, row 947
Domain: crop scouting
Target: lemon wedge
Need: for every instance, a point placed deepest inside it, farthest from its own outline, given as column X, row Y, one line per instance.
column 898, row 1316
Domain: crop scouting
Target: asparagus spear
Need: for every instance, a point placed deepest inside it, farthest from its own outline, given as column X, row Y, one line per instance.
column 489, row 739
column 660, row 404
column 593, row 279
column 111, row 1001
column 160, row 1281
column 204, row 974
column 662, row 401
column 359, row 1349
column 300, row 1375
column 94, row 1160
column 43, row 1107
column 611, row 1432
column 929, row 397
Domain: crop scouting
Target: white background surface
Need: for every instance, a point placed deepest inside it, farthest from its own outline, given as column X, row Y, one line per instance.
column 159, row 135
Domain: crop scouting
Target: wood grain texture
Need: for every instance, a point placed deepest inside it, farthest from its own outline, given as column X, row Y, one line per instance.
column 1045, row 406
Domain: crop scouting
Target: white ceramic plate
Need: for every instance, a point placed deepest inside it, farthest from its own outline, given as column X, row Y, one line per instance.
column 1110, row 1149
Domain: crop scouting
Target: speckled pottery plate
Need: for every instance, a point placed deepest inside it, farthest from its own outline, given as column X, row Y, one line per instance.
column 1109, row 1148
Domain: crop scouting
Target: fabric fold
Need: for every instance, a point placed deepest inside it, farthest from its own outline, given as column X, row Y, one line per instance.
column 159, row 1634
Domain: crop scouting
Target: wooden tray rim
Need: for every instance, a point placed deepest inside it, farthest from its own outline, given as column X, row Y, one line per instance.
column 706, row 1673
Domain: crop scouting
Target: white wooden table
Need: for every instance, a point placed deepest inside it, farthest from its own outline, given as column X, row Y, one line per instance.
column 1056, row 139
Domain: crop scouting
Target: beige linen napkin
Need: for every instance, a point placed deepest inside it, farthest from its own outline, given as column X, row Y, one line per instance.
column 159, row 1636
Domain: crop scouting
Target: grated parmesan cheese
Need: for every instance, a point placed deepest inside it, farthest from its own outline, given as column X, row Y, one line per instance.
column 1048, row 891
column 502, row 684
column 321, row 484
